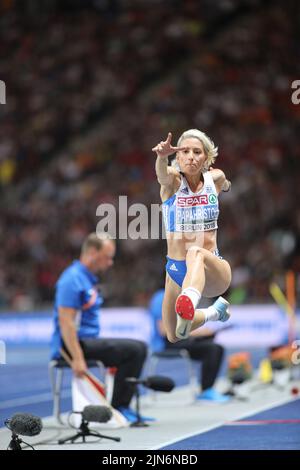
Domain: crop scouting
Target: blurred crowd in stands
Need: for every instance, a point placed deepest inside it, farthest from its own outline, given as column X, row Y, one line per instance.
column 91, row 89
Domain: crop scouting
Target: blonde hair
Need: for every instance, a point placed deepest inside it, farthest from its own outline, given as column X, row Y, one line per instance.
column 210, row 149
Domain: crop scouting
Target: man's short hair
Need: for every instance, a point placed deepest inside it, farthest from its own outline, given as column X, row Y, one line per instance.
column 95, row 240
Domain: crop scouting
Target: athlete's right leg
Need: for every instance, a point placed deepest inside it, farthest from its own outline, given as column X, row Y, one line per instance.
column 188, row 273
column 177, row 328
column 188, row 317
column 207, row 274
column 172, row 290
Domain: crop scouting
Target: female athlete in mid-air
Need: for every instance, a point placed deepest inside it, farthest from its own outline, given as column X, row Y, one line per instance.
column 194, row 268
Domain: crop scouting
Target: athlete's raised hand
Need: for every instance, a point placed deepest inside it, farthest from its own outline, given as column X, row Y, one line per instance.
column 164, row 148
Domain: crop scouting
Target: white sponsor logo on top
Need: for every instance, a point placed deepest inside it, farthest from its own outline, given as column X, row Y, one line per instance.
column 192, row 200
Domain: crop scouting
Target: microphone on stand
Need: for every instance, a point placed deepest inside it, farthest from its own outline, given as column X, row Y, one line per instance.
column 91, row 414
column 155, row 382
column 23, row 424
column 96, row 414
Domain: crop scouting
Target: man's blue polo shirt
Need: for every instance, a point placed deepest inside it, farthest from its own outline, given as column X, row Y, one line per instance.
column 75, row 288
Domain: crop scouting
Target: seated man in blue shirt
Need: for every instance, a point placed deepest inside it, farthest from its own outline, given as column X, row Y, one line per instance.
column 76, row 318
column 200, row 346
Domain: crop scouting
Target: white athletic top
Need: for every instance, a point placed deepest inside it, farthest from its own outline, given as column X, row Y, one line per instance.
column 186, row 211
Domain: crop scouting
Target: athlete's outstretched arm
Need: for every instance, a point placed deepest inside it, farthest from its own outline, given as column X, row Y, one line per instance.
column 164, row 149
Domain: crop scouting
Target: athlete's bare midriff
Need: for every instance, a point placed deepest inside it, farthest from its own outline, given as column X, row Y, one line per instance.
column 180, row 242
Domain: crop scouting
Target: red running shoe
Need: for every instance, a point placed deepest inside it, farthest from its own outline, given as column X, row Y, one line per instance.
column 185, row 310
column 184, row 307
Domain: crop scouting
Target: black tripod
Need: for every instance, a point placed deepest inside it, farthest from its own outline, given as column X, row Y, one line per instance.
column 15, row 443
column 84, row 432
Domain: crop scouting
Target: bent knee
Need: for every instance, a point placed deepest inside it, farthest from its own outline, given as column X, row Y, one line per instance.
column 139, row 348
column 217, row 349
column 196, row 251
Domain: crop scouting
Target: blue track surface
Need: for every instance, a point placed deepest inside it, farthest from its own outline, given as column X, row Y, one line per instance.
column 263, row 436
